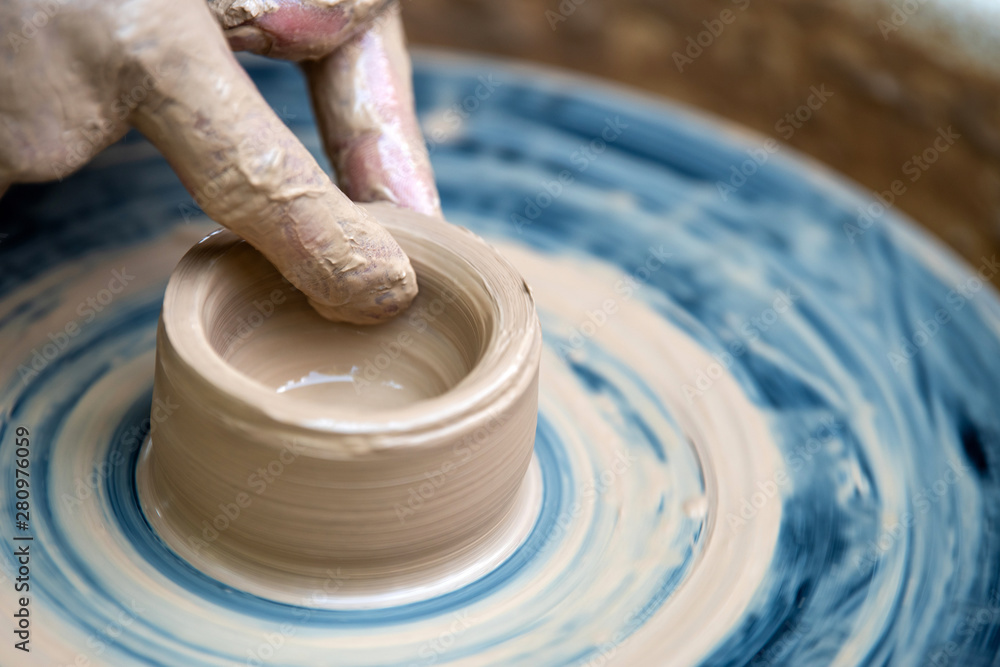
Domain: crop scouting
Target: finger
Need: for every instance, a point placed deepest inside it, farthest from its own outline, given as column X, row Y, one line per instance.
column 363, row 98
column 292, row 29
column 249, row 173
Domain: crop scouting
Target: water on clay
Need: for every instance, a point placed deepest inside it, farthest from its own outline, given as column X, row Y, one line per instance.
column 766, row 435
column 335, row 363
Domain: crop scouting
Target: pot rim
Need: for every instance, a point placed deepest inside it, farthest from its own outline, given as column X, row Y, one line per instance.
column 506, row 364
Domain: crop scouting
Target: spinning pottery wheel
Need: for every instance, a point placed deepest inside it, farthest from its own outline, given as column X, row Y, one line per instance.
column 767, row 431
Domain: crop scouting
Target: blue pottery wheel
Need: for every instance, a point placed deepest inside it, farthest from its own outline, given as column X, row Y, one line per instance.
column 768, row 428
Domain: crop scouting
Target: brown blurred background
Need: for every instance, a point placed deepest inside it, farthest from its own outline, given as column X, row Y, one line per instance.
column 898, row 72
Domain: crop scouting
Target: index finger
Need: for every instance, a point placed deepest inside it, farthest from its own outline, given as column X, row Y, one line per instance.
column 251, row 174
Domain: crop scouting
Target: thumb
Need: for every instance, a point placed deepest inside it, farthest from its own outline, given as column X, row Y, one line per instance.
column 248, row 172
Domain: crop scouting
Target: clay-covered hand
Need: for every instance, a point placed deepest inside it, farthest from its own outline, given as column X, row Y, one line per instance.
column 76, row 74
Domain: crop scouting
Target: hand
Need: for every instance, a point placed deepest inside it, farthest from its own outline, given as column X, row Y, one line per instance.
column 77, row 73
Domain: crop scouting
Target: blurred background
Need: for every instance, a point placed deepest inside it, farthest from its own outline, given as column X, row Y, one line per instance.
column 865, row 86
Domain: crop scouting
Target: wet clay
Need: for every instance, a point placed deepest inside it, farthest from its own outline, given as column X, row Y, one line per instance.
column 394, row 453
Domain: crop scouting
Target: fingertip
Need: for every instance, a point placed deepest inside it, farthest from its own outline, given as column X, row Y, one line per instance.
column 367, row 311
column 366, row 280
column 372, row 301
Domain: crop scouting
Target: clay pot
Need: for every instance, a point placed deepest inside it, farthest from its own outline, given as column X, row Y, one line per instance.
column 342, row 465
